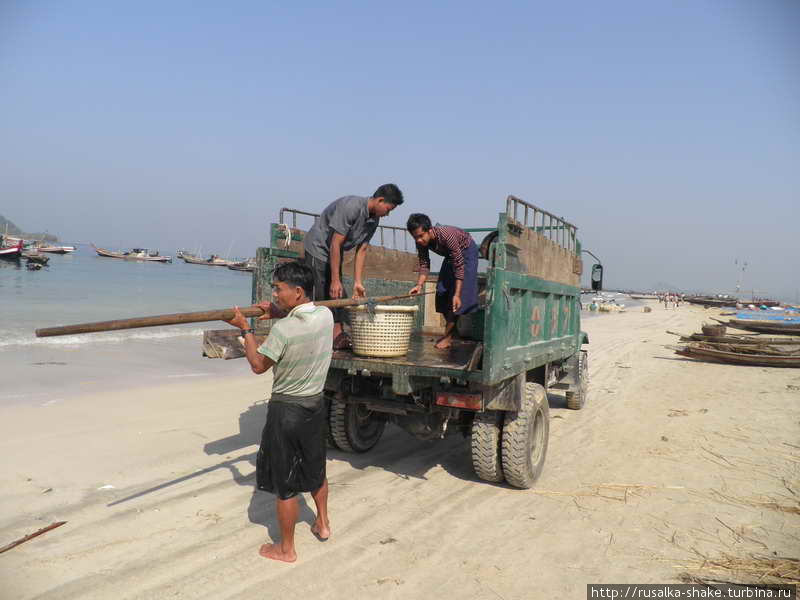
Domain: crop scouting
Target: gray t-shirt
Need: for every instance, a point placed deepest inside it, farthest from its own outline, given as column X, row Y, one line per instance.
column 347, row 215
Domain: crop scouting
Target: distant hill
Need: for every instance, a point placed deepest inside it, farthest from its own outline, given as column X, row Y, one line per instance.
column 17, row 232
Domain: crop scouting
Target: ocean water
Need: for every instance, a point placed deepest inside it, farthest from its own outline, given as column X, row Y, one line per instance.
column 83, row 287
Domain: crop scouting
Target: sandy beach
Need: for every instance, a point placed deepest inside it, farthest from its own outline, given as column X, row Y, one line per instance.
column 671, row 463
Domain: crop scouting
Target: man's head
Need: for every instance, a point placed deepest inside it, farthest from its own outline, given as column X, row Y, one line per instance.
column 419, row 226
column 292, row 285
column 385, row 199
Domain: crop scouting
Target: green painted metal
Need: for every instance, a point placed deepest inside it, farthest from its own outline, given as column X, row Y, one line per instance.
column 528, row 321
column 268, row 258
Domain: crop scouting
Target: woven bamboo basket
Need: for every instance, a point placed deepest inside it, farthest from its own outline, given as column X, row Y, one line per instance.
column 387, row 332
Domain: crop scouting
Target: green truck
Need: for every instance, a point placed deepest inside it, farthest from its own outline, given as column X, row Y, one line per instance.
column 492, row 384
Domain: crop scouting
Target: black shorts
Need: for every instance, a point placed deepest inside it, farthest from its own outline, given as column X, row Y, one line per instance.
column 293, row 449
column 322, row 283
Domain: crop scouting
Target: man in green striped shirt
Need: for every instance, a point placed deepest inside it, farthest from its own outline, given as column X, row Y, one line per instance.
column 292, row 455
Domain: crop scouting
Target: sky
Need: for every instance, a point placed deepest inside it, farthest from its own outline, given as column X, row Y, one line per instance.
column 667, row 132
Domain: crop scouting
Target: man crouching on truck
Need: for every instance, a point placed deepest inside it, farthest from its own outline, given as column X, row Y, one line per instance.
column 457, row 289
column 291, row 459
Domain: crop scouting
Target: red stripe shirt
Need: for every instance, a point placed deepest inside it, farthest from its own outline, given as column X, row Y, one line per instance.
column 449, row 242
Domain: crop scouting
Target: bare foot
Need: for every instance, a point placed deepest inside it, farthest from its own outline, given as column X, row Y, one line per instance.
column 321, row 530
column 275, row 552
column 443, row 343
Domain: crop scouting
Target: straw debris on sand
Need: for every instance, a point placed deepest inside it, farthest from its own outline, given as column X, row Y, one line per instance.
column 675, row 471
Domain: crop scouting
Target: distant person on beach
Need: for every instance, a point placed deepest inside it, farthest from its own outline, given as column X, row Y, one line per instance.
column 347, row 223
column 457, row 289
column 292, row 456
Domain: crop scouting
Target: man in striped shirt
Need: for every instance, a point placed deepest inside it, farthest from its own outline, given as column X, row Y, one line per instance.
column 291, row 459
column 457, row 288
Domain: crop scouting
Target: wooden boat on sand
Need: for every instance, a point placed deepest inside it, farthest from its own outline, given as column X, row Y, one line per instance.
column 774, row 327
column 754, row 340
column 738, row 355
column 139, row 254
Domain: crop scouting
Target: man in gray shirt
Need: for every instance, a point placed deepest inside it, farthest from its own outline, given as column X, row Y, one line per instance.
column 347, row 223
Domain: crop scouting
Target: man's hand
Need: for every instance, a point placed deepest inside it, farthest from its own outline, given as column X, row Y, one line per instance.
column 270, row 311
column 415, row 290
column 238, row 319
column 456, row 303
column 336, row 290
column 359, row 291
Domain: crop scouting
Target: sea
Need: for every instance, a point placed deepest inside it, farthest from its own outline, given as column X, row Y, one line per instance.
column 83, row 287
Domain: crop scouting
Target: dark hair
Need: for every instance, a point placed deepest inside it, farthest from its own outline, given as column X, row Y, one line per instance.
column 297, row 274
column 418, row 220
column 390, row 193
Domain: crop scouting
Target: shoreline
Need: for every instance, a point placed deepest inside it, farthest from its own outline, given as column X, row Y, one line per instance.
column 664, row 468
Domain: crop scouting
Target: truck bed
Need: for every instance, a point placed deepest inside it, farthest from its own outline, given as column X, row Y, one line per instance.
column 460, row 360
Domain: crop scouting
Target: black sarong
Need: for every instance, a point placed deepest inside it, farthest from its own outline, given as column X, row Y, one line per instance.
column 469, row 286
column 293, row 449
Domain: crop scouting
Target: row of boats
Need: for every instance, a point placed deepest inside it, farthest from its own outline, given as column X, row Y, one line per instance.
column 13, row 247
column 146, row 255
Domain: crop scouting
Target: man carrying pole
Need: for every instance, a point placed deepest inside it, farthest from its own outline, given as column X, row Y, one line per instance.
column 292, row 455
column 347, row 223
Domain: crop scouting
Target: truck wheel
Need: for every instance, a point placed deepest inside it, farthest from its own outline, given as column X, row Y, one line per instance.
column 353, row 427
column 576, row 399
column 525, row 435
column 486, row 436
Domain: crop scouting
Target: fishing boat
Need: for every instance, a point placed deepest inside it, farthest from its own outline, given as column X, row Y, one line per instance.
column 737, row 355
column 712, row 301
column 13, row 252
column 754, row 340
column 140, row 254
column 245, row 265
column 56, row 249
column 643, row 296
column 212, row 261
column 778, row 322
column 775, row 327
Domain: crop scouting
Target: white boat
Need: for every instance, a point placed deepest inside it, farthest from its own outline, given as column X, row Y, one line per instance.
column 140, row 254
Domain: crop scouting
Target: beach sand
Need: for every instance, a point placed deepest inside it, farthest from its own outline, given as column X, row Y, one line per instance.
column 670, row 462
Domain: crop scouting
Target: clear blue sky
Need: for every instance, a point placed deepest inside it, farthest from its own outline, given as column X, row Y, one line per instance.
column 668, row 132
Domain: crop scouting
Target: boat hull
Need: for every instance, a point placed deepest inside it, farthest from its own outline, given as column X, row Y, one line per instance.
column 108, row 254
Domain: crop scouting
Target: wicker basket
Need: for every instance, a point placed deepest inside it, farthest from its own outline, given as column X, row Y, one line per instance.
column 387, row 332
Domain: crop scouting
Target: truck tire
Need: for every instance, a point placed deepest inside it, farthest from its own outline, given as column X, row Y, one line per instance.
column 525, row 436
column 576, row 399
column 485, row 445
column 354, row 428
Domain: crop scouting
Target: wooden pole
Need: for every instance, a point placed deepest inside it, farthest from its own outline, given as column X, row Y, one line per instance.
column 30, row 536
column 196, row 317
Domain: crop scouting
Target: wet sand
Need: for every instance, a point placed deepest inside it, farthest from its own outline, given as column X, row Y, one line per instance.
column 671, row 461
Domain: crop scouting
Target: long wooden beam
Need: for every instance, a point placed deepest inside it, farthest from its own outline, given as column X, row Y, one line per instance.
column 197, row 317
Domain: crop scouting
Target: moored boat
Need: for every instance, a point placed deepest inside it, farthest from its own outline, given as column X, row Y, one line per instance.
column 11, row 251
column 212, row 261
column 710, row 301
column 56, row 249
column 139, row 254
column 245, row 265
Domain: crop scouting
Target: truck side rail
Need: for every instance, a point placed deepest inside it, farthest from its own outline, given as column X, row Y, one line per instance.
column 384, row 232
column 554, row 228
